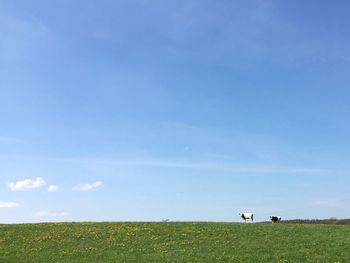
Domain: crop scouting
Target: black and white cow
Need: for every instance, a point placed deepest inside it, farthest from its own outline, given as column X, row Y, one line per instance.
column 275, row 219
column 246, row 216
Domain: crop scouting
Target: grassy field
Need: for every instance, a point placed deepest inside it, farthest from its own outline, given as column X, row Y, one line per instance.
column 174, row 242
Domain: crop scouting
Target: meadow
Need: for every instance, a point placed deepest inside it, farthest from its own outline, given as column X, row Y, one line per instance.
column 174, row 242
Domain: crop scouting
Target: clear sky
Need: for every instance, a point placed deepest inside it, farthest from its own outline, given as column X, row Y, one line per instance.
column 180, row 110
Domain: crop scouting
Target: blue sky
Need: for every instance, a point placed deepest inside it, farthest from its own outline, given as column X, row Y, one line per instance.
column 180, row 110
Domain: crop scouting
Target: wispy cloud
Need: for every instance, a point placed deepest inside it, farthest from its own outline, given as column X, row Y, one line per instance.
column 21, row 35
column 8, row 205
column 87, row 187
column 329, row 204
column 10, row 140
column 27, row 184
column 52, row 188
column 256, row 168
column 50, row 214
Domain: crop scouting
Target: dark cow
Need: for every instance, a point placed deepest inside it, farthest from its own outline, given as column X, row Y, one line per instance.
column 275, row 219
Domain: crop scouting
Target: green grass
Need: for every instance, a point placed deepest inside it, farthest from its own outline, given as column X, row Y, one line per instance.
column 174, row 242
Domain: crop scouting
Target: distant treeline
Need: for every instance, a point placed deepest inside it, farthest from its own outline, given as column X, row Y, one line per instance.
column 318, row 221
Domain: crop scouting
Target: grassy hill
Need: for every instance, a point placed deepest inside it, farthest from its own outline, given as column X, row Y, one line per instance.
column 334, row 221
column 174, row 242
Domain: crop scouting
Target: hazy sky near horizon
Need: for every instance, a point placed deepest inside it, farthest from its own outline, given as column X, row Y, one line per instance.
column 180, row 110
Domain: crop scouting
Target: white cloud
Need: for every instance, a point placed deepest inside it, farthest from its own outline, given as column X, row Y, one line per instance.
column 87, row 187
column 50, row 214
column 27, row 184
column 52, row 188
column 8, row 205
